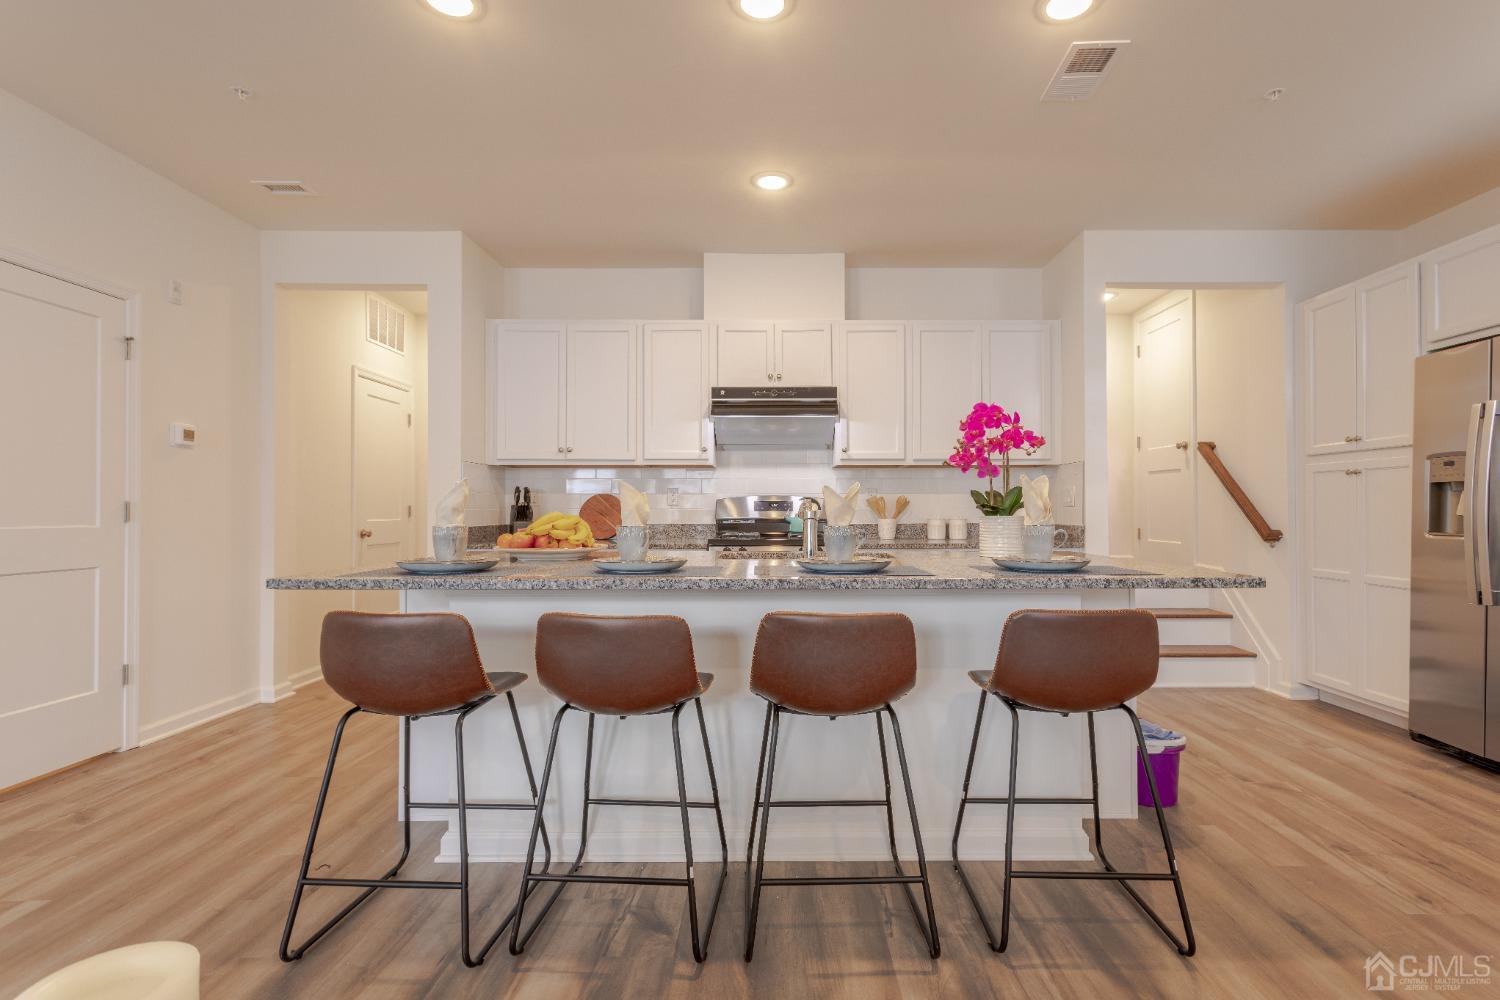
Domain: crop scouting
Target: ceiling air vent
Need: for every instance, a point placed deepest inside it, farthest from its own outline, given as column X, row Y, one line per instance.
column 284, row 187
column 1081, row 71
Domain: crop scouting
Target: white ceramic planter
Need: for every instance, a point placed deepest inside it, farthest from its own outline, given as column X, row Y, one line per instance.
column 1001, row 536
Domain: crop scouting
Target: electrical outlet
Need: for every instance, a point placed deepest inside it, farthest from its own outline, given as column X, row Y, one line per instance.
column 674, row 497
column 1070, row 497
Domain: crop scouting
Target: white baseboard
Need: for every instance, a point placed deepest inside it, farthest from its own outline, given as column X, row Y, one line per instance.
column 182, row 721
column 287, row 688
column 1042, row 841
column 1364, row 708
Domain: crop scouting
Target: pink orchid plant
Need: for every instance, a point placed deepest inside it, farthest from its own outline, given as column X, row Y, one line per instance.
column 989, row 435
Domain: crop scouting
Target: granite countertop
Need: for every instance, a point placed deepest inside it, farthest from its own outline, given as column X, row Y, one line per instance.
column 914, row 570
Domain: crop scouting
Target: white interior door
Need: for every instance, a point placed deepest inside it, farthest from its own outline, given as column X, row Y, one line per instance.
column 384, row 479
column 62, row 524
column 1164, row 430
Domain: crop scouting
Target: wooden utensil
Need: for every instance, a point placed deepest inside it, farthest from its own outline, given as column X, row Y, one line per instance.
column 901, row 504
column 602, row 513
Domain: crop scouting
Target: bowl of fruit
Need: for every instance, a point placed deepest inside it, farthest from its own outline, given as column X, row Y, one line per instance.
column 551, row 537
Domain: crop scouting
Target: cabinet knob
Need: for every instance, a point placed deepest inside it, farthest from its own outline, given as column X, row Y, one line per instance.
column 1353, row 472
column 778, row 376
column 365, row 533
column 846, row 449
column 1350, row 439
column 770, row 376
column 570, row 451
column 703, row 448
column 1182, row 446
column 560, row 449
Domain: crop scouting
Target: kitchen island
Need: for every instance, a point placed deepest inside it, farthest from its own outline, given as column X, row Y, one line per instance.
column 958, row 602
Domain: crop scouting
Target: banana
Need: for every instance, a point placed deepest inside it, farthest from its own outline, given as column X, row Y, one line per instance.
column 561, row 534
column 544, row 524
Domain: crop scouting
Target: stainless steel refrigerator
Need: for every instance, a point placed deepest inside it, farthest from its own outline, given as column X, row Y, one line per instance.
column 1455, row 564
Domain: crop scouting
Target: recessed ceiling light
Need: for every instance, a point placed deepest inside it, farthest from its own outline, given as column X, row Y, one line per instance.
column 762, row 10
column 463, row 10
column 1108, row 295
column 1063, row 10
column 772, row 181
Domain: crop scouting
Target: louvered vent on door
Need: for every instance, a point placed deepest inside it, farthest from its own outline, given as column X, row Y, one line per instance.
column 385, row 324
column 1082, row 70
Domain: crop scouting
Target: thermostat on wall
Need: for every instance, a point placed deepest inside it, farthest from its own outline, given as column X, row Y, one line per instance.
column 183, row 435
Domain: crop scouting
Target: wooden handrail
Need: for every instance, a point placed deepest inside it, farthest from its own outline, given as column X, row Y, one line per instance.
column 1210, row 455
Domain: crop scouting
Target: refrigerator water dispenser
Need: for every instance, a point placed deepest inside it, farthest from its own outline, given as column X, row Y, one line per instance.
column 1445, row 493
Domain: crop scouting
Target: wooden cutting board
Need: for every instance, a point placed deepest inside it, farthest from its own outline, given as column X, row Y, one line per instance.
column 602, row 512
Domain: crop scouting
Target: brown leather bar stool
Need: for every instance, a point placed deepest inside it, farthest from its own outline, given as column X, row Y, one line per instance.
column 1065, row 662
column 622, row 666
column 834, row 665
column 416, row 666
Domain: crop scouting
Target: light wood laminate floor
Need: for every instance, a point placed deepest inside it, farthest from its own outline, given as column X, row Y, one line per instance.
column 1309, row 838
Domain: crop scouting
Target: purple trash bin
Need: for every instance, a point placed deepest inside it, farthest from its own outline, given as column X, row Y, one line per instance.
column 1164, row 768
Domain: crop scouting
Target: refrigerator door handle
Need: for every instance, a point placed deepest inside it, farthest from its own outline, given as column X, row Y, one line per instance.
column 1480, row 467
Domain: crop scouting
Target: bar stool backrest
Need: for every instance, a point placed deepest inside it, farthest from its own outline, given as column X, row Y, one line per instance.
column 616, row 664
column 1076, row 661
column 833, row 664
column 402, row 664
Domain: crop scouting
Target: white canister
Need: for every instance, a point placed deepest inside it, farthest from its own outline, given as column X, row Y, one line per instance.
column 958, row 529
column 937, row 529
column 885, row 527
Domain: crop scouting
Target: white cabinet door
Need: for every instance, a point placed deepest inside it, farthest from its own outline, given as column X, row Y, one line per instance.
column 1460, row 293
column 1384, row 543
column 1333, row 563
column 1388, row 305
column 804, row 353
column 677, row 361
column 1330, row 335
column 526, row 362
column 1020, row 374
column 747, row 353
column 870, row 372
column 947, row 379
column 601, row 392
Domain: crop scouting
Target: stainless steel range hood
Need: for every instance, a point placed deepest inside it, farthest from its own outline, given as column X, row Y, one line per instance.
column 774, row 416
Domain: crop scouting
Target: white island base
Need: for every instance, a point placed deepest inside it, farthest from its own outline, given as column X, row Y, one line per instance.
column 957, row 631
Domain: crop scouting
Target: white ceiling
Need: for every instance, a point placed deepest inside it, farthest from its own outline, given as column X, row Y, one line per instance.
column 624, row 132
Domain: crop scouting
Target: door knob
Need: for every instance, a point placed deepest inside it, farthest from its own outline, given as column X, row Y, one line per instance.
column 1182, row 445
column 365, row 533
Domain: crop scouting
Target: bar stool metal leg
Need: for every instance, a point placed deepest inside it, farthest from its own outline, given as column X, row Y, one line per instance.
column 519, row 940
column 1110, row 873
column 928, row 928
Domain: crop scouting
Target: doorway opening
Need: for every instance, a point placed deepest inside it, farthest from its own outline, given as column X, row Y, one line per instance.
column 1185, row 367
column 351, row 428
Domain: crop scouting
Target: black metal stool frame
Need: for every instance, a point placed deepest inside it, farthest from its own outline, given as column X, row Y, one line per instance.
column 1110, row 873
column 518, row 940
column 755, row 861
column 389, row 880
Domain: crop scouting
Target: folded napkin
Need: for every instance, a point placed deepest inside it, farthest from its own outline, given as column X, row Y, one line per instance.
column 1035, row 494
column 635, row 509
column 838, row 508
column 450, row 510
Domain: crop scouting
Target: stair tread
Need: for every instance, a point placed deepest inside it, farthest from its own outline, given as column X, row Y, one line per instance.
column 1188, row 612
column 1206, row 652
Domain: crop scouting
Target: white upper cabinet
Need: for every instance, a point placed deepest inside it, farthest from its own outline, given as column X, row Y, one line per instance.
column 747, row 353
column 870, row 373
column 563, row 392
column 804, row 353
column 1388, row 346
column 527, row 363
column 947, row 379
column 1021, row 371
column 1329, row 326
column 601, row 392
column 1359, row 344
column 753, row 352
column 678, row 363
column 1461, row 293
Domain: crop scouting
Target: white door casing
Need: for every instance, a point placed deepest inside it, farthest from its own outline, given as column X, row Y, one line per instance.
column 1164, row 408
column 63, row 590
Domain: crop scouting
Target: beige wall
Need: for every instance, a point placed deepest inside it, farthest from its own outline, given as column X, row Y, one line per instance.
column 74, row 205
column 320, row 340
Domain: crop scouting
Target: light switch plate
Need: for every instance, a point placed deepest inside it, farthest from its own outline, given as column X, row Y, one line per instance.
column 174, row 292
column 182, row 435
